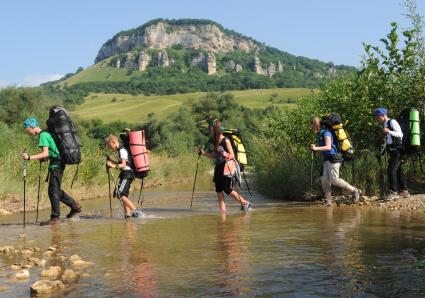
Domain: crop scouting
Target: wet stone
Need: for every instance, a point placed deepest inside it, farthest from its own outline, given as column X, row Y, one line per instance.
column 41, row 263
column 47, row 254
column 69, row 276
column 15, row 267
column 27, row 252
column 46, row 286
column 52, row 272
column 23, row 274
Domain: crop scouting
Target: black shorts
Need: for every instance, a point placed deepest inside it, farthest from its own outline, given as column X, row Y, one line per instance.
column 123, row 187
column 222, row 183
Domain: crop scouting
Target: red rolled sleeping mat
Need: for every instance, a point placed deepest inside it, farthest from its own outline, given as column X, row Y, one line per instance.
column 139, row 151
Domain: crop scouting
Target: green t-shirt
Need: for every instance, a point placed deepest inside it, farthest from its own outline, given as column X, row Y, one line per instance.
column 46, row 140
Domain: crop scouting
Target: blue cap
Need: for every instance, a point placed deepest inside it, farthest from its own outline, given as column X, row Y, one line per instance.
column 30, row 122
column 380, row 112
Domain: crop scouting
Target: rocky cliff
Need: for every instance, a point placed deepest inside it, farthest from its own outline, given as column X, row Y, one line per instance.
column 190, row 34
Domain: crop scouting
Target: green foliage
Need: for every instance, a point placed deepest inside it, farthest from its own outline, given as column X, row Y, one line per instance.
column 392, row 77
column 16, row 103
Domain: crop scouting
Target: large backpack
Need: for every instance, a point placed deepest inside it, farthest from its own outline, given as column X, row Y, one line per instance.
column 333, row 122
column 134, row 142
column 409, row 124
column 234, row 136
column 63, row 131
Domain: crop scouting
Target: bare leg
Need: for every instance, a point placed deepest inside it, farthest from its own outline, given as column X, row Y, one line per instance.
column 128, row 205
column 220, row 198
column 237, row 197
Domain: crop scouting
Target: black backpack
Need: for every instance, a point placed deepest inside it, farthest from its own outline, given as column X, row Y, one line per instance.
column 63, row 131
column 406, row 125
column 126, row 144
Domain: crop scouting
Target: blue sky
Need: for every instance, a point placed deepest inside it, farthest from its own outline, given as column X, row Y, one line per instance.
column 45, row 39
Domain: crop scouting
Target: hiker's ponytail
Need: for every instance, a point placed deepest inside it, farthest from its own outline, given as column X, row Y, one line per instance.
column 218, row 131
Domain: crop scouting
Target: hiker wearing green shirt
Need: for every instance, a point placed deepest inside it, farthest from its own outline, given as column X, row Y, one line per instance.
column 56, row 167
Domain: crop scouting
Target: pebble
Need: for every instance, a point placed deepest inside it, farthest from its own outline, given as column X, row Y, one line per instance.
column 81, row 263
column 15, row 267
column 27, row 252
column 23, row 274
column 4, row 212
column 46, row 286
column 74, row 258
column 51, row 248
column 69, row 276
column 41, row 263
column 52, row 272
column 23, row 236
column 7, row 249
column 47, row 254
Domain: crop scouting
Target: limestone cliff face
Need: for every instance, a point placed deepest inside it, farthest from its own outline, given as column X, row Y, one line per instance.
column 162, row 35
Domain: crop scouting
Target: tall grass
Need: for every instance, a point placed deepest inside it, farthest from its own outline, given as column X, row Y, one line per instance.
column 92, row 177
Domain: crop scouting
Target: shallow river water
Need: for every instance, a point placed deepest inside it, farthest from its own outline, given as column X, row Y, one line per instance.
column 278, row 249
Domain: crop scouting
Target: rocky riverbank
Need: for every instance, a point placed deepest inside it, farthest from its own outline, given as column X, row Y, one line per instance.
column 412, row 203
column 52, row 270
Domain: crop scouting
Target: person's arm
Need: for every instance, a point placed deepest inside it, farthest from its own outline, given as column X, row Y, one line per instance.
column 122, row 164
column 229, row 154
column 326, row 147
column 395, row 130
column 208, row 154
column 44, row 154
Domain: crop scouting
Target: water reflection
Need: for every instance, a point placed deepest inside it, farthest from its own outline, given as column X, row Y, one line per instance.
column 232, row 247
column 141, row 271
column 280, row 251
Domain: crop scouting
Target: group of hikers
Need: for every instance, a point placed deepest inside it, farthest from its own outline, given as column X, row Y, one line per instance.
column 225, row 163
column 332, row 157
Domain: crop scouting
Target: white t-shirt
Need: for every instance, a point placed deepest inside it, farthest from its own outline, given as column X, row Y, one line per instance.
column 395, row 130
column 123, row 154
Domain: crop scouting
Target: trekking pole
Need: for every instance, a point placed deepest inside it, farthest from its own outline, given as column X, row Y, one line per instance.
column 25, row 182
column 38, row 191
column 109, row 187
column 115, row 187
column 140, row 193
column 311, row 175
column 246, row 183
column 194, row 181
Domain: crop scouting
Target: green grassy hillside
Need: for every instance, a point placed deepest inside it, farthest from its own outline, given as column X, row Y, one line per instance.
column 99, row 72
column 112, row 107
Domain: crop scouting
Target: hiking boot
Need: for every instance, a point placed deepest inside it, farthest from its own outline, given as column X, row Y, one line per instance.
column 392, row 195
column 51, row 221
column 356, row 195
column 74, row 210
column 247, row 207
column 404, row 193
column 136, row 213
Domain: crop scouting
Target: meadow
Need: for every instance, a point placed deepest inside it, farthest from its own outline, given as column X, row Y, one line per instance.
column 136, row 108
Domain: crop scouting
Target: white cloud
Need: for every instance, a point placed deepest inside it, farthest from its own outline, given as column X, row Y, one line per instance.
column 37, row 79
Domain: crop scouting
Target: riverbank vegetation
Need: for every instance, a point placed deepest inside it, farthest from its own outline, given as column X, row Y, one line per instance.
column 276, row 135
column 392, row 75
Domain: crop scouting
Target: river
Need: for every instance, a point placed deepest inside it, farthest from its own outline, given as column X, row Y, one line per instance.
column 278, row 249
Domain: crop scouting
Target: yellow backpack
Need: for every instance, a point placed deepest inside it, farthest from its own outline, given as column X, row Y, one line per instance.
column 239, row 149
column 333, row 122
